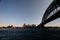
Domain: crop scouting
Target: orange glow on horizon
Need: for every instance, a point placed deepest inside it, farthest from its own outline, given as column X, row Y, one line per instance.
column 10, row 25
column 54, row 25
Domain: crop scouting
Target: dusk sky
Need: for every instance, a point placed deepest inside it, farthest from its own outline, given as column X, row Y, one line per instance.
column 18, row 12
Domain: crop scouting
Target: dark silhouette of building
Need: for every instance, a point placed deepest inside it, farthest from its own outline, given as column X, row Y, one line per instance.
column 29, row 26
column 10, row 26
column 33, row 26
column 24, row 25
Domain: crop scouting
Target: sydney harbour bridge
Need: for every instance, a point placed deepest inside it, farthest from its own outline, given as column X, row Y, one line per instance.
column 51, row 13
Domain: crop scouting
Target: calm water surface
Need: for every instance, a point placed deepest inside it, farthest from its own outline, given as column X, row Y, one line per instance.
column 30, row 34
column 21, row 34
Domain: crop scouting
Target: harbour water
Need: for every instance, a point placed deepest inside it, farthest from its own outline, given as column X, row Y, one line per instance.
column 30, row 34
column 21, row 34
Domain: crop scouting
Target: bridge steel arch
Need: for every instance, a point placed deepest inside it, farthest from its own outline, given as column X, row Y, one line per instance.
column 54, row 5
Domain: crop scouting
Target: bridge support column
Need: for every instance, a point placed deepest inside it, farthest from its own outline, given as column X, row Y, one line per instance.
column 41, row 26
